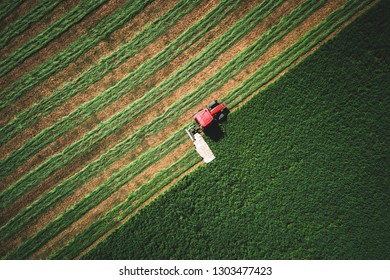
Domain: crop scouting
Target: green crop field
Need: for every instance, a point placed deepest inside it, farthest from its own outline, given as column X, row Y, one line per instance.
column 301, row 173
column 93, row 110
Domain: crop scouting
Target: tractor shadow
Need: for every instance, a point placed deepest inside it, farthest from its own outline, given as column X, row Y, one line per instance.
column 214, row 131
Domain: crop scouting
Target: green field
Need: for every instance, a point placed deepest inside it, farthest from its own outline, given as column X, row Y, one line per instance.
column 95, row 97
column 302, row 172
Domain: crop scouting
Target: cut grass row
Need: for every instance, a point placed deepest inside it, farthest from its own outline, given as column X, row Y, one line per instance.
column 97, row 229
column 7, row 7
column 97, row 71
column 129, row 82
column 187, row 102
column 90, row 140
column 91, row 170
column 39, row 41
column 72, row 52
column 95, row 197
column 21, row 24
column 112, row 218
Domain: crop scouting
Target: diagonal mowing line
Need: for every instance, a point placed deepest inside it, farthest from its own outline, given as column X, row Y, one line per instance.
column 90, row 140
column 71, row 18
column 162, row 121
column 97, row 71
column 77, row 48
column 21, row 24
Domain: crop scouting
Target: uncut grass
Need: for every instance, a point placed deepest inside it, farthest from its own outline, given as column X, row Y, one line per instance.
column 240, row 94
column 115, row 122
column 167, row 118
column 126, row 208
column 97, row 71
column 73, row 51
column 21, row 24
column 75, row 15
column 283, row 198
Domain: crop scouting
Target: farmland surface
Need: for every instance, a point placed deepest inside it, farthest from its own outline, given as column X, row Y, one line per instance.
column 95, row 96
column 301, row 174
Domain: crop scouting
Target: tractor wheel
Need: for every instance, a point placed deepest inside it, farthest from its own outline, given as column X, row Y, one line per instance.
column 213, row 104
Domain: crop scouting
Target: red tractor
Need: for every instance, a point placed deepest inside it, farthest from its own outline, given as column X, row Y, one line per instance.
column 213, row 113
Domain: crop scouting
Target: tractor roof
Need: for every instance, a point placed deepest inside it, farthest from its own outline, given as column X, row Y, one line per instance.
column 203, row 117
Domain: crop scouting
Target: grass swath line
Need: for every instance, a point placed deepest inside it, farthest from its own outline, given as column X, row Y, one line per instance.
column 97, row 71
column 127, row 207
column 36, row 43
column 21, row 24
column 79, row 47
column 44, row 138
column 8, row 6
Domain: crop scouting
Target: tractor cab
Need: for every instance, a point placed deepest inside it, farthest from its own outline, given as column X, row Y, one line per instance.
column 206, row 116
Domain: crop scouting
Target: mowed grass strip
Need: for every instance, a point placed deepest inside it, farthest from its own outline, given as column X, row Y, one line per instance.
column 120, row 212
column 91, row 170
column 182, row 105
column 7, row 7
column 97, row 71
column 77, row 48
column 95, row 197
column 71, row 18
column 107, row 127
column 21, row 24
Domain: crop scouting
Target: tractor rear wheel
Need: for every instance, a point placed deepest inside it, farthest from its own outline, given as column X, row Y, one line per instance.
column 213, row 104
column 221, row 117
